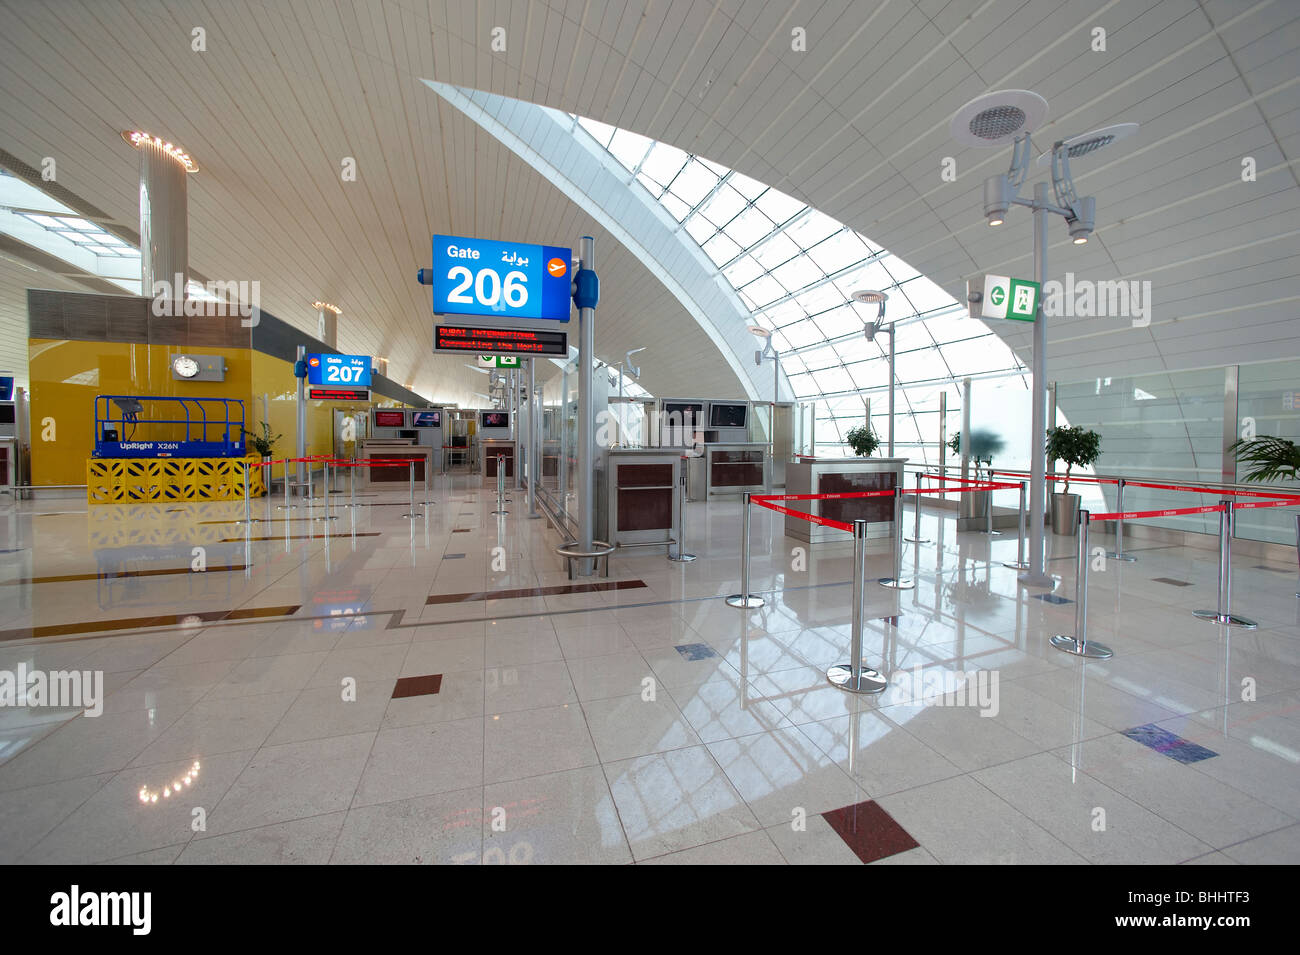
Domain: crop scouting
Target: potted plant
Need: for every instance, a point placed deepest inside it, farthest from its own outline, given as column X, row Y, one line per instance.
column 980, row 449
column 1075, row 447
column 263, row 444
column 1269, row 458
column 862, row 440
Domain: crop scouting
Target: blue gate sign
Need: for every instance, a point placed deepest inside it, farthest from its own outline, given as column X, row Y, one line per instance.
column 351, row 370
column 501, row 279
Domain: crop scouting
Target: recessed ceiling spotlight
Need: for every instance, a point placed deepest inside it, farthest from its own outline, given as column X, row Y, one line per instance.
column 997, row 118
column 141, row 140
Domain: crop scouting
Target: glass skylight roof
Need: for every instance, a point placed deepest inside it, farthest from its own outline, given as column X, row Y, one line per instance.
column 794, row 269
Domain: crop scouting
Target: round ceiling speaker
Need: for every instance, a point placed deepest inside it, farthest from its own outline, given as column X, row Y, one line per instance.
column 997, row 118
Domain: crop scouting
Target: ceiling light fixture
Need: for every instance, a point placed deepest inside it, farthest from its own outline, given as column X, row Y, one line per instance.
column 140, row 140
column 326, row 307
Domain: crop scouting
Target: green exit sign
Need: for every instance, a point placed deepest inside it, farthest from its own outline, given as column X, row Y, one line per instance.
column 498, row 361
column 1006, row 297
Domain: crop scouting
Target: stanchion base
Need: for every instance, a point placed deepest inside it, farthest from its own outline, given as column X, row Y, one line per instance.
column 916, row 540
column 499, row 512
column 1094, row 651
column 743, row 602
column 682, row 558
column 286, row 507
column 326, row 517
column 1016, row 564
column 1125, row 557
column 1227, row 619
column 251, row 520
column 867, row 681
column 410, row 515
column 893, row 584
column 990, row 533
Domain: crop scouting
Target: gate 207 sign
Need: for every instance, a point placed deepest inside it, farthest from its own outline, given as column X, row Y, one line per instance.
column 504, row 280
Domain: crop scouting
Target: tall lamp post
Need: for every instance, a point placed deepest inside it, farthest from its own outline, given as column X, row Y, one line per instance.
column 872, row 329
column 1008, row 117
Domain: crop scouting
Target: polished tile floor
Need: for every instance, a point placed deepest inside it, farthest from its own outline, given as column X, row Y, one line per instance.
column 375, row 695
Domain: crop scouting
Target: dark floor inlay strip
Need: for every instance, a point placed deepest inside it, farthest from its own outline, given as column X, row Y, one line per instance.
column 869, row 831
column 556, row 591
column 300, row 537
column 1053, row 598
column 1168, row 744
column 120, row 574
column 1172, row 581
column 142, row 623
column 417, row 686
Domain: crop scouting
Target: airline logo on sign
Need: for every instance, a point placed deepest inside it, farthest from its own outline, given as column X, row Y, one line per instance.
column 1005, row 297
column 503, row 280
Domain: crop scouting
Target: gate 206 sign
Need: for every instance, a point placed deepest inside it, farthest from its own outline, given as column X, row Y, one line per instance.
column 504, row 280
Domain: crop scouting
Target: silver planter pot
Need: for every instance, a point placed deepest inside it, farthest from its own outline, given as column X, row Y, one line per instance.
column 1065, row 514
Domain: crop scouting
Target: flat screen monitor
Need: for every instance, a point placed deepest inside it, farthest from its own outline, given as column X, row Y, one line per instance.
column 684, row 412
column 390, row 419
column 6, row 387
column 727, row 415
column 494, row 419
column 409, row 435
column 426, row 419
column 7, row 415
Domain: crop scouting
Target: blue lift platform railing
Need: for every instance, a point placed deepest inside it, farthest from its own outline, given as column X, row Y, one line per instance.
column 116, row 433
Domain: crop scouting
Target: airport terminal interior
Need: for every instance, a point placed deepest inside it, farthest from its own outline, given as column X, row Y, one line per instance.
column 650, row 431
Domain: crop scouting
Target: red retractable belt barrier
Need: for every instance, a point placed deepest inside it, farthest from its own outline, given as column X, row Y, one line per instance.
column 1168, row 512
column 811, row 518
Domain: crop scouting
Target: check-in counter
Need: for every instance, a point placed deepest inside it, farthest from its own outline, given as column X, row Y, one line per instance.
column 489, row 450
column 642, row 495
column 730, row 468
column 395, row 449
column 839, row 476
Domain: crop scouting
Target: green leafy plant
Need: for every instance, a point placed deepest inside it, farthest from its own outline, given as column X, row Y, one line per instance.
column 983, row 445
column 1074, row 446
column 264, row 442
column 1269, row 458
column 862, row 440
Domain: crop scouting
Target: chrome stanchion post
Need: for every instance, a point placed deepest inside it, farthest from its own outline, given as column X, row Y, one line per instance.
column 898, row 581
column 681, row 554
column 988, row 512
column 1297, row 544
column 744, row 600
column 325, row 488
column 410, row 490
column 1223, row 614
column 286, row 506
column 1118, row 552
column 853, row 676
column 916, row 537
column 1077, row 643
column 248, row 516
column 501, row 485
column 1020, row 563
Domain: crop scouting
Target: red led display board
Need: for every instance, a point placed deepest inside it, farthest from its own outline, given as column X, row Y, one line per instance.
column 338, row 394
column 499, row 341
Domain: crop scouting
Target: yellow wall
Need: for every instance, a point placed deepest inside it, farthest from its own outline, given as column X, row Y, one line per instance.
column 67, row 375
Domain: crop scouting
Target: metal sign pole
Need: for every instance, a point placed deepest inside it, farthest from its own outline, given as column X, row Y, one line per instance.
column 853, row 676
column 744, row 600
column 1078, row 643
column 1224, row 615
